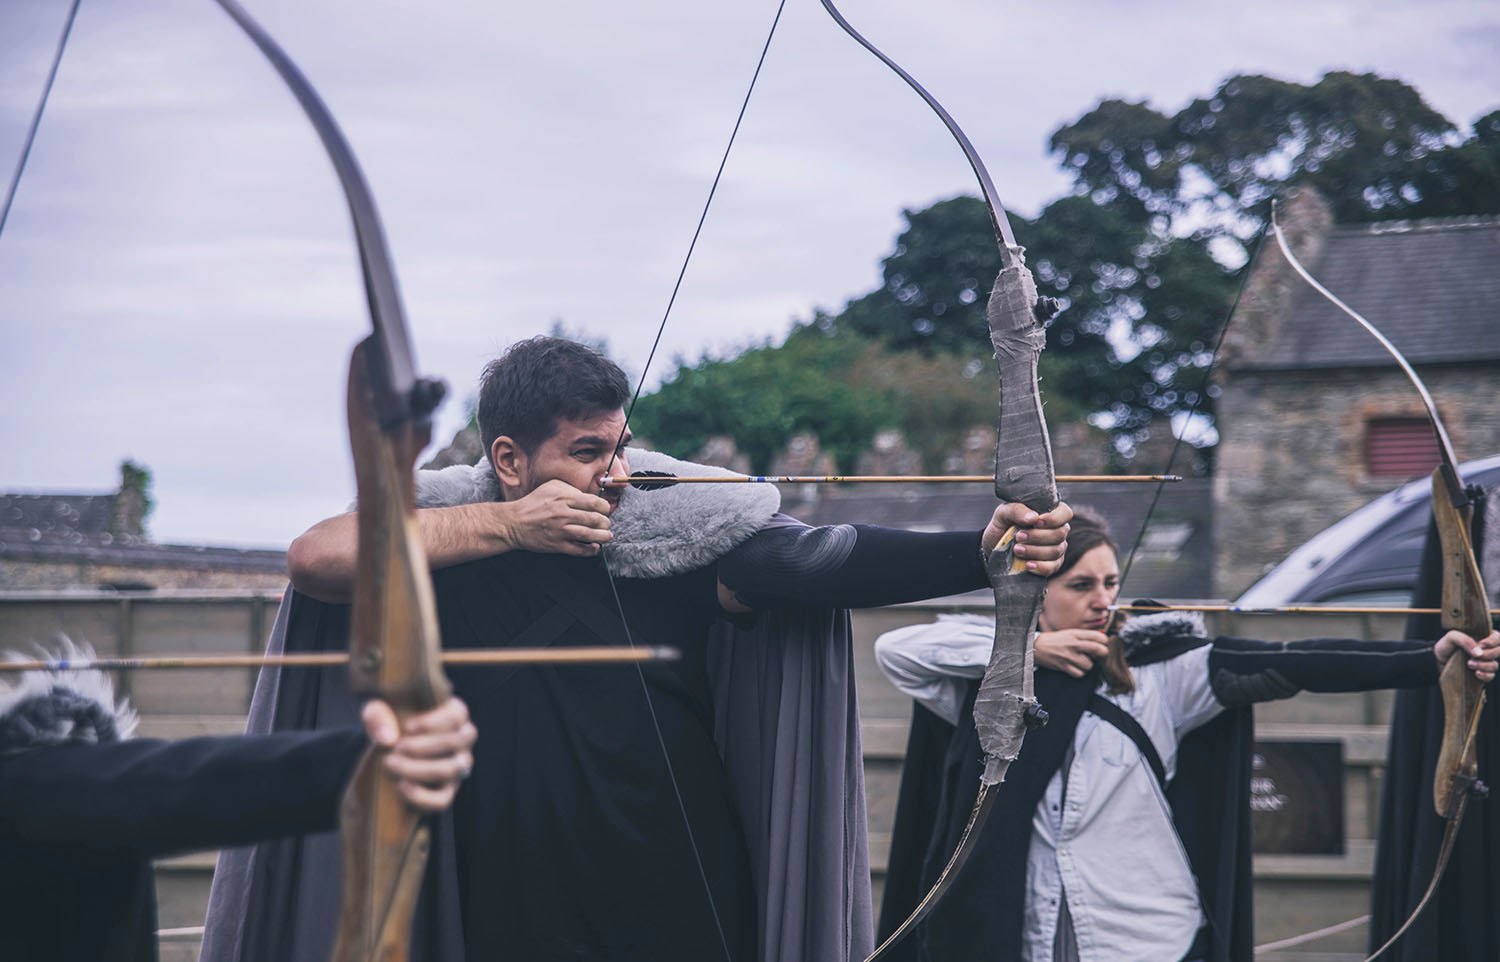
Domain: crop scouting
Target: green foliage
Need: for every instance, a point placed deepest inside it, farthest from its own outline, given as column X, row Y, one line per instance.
column 764, row 396
column 1370, row 144
column 135, row 479
column 1116, row 277
column 1137, row 254
column 837, row 387
column 132, row 504
column 1464, row 179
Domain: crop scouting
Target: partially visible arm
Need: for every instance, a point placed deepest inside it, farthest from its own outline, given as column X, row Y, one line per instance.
column 321, row 559
column 863, row 566
column 556, row 518
column 155, row 797
column 933, row 663
column 1242, row 671
column 848, row 566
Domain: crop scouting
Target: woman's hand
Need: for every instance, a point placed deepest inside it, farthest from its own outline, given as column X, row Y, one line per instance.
column 429, row 755
column 1072, row 650
column 1484, row 655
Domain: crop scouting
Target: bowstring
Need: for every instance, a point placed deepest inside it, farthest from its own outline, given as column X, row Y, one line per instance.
column 36, row 117
column 1198, row 400
column 619, row 442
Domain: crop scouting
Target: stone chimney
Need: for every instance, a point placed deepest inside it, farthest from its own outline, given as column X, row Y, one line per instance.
column 132, row 503
column 1305, row 218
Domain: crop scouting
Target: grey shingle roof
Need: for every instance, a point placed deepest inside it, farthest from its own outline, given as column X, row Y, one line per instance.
column 75, row 528
column 1431, row 286
column 55, row 518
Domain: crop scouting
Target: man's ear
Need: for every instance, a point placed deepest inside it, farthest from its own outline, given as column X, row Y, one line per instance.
column 508, row 460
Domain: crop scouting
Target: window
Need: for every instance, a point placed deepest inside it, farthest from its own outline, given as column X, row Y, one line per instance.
column 1400, row 448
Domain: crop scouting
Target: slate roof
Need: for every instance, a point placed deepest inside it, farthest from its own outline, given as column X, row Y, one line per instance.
column 55, row 518
column 1175, row 561
column 1431, row 286
column 75, row 528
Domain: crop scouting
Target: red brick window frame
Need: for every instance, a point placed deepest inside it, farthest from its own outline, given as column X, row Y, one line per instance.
column 1400, row 447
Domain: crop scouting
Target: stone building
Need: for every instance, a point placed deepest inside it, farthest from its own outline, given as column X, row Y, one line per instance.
column 1315, row 419
column 51, row 541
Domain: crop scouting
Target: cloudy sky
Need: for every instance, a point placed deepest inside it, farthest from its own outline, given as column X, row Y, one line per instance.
column 177, row 281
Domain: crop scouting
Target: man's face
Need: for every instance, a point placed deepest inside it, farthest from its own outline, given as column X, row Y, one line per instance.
column 580, row 452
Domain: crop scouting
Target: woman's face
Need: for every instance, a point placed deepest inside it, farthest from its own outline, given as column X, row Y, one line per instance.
column 1080, row 597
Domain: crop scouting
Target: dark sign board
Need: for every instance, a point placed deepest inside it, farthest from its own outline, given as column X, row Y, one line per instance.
column 1297, row 798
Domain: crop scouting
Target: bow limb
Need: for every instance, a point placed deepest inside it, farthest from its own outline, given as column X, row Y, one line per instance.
column 1005, row 706
column 394, row 646
column 1464, row 608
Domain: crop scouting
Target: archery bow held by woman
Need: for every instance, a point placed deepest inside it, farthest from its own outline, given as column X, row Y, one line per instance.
column 1146, row 737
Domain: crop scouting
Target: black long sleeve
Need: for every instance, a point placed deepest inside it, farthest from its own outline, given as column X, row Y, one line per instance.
column 150, row 797
column 851, row 566
column 1243, row 671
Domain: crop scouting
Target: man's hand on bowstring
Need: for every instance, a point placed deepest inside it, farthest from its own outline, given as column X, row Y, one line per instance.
column 557, row 518
column 429, row 755
column 1041, row 539
column 1483, row 654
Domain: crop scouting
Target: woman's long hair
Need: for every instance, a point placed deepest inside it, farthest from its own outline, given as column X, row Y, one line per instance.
column 1088, row 531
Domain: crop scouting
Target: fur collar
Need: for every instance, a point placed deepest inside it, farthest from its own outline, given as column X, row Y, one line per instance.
column 62, row 707
column 657, row 533
column 1141, row 633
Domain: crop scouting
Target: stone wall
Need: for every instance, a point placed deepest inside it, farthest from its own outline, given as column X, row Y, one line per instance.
column 1291, row 453
column 29, row 574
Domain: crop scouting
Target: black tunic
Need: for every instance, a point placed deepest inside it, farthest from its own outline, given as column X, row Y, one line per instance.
column 570, row 836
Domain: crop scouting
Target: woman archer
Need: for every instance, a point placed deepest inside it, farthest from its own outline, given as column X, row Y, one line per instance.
column 1122, row 831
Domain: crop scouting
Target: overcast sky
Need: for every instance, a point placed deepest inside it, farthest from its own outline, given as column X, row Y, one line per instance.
column 177, row 280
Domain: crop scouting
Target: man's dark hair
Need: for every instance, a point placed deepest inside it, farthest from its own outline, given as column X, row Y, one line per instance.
column 537, row 382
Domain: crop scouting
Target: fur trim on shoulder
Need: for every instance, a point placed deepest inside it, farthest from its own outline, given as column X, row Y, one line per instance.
column 671, row 530
column 657, row 533
column 457, row 484
column 1141, row 632
column 62, row 707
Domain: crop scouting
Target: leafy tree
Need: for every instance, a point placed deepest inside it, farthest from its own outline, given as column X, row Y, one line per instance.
column 1370, row 144
column 1143, row 254
column 764, row 396
column 1461, row 180
column 1118, row 279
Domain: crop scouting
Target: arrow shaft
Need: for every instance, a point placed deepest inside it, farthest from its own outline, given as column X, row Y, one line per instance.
column 1292, row 609
column 599, row 655
column 620, row 482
